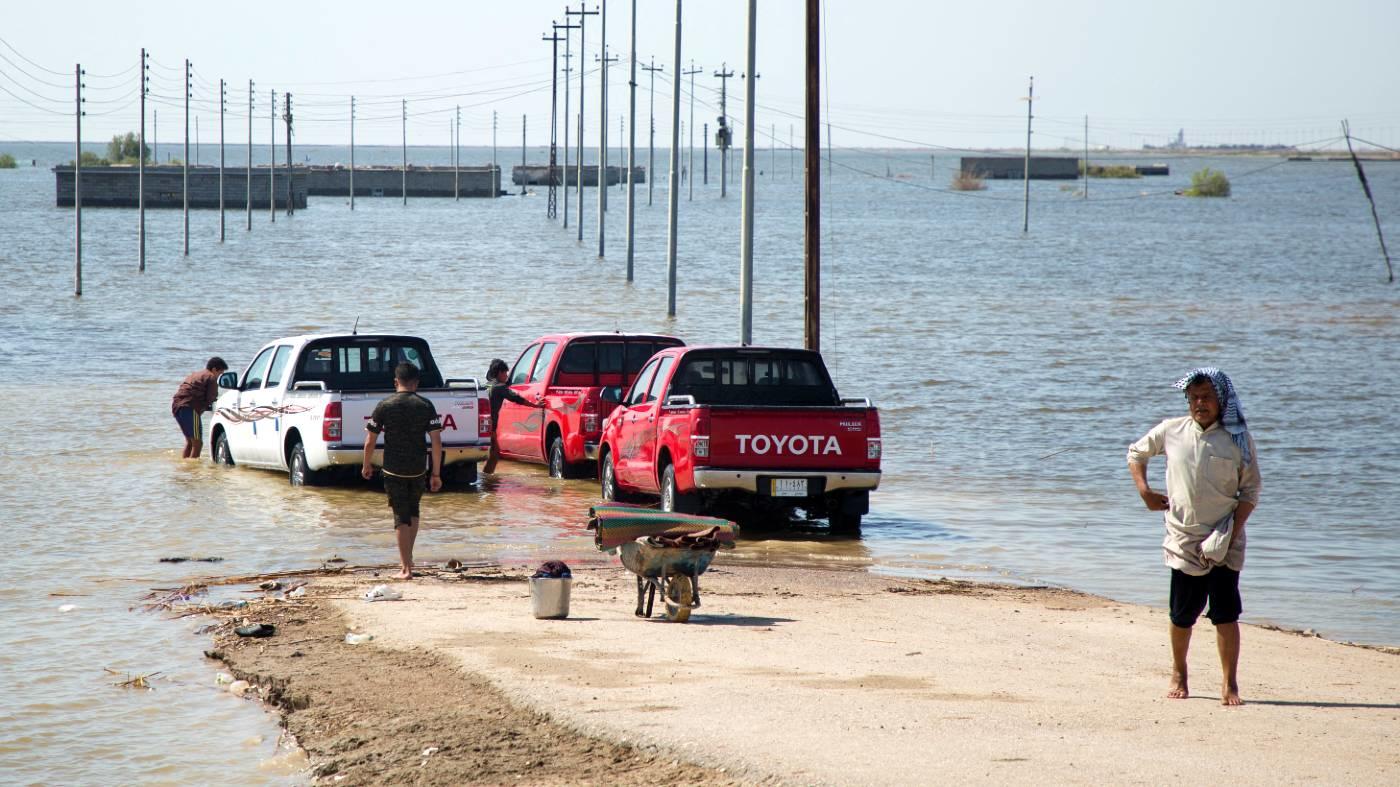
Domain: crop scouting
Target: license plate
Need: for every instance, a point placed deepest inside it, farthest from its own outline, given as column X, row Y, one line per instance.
column 789, row 487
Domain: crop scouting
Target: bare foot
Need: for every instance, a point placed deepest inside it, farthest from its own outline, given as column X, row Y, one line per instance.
column 1177, row 690
column 404, row 574
column 1230, row 696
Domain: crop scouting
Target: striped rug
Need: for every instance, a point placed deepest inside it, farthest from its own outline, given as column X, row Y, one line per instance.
column 618, row 523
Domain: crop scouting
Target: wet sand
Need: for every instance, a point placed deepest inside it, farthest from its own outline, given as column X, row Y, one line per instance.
column 805, row 677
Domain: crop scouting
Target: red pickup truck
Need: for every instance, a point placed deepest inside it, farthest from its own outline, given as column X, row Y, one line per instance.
column 570, row 371
column 712, row 428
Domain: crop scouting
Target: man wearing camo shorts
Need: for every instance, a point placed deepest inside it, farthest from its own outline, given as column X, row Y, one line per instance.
column 406, row 420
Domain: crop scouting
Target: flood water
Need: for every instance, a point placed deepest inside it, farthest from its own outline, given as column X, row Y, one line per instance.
column 1011, row 372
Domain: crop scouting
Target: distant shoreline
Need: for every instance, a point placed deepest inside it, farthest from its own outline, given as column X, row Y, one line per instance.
column 1367, row 154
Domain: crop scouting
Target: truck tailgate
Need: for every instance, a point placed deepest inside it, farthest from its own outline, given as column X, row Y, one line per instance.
column 797, row 438
column 457, row 407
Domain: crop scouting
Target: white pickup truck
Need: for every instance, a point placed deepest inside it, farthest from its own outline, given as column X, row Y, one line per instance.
column 301, row 407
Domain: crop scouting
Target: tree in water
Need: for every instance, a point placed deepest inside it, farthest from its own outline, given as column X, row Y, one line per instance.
column 124, row 149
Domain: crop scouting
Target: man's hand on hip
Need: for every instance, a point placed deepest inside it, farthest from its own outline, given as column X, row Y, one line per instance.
column 1156, row 501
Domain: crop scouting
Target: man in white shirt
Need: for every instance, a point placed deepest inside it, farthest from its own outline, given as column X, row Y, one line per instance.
column 1212, row 488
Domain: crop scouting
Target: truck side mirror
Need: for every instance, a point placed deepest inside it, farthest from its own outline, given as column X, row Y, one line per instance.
column 611, row 393
column 228, row 380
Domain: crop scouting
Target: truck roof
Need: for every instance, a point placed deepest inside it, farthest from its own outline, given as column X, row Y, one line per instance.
column 603, row 335
column 744, row 349
column 311, row 337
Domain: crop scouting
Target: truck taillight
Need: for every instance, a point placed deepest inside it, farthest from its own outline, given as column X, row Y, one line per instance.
column 331, row 422
column 590, row 419
column 872, row 448
column 483, row 418
column 700, row 433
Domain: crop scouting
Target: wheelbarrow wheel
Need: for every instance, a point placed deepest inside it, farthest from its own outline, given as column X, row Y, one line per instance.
column 680, row 594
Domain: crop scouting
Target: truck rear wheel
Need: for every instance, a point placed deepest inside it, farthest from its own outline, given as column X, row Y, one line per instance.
column 460, row 476
column 844, row 524
column 559, row 466
column 608, row 482
column 672, row 499
column 299, row 473
column 222, row 454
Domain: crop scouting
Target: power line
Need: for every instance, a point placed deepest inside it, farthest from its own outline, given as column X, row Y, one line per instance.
column 23, row 100
column 1372, row 144
column 31, row 62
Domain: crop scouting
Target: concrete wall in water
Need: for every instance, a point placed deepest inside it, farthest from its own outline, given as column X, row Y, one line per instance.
column 1013, row 167
column 116, row 187
column 538, row 175
column 389, row 181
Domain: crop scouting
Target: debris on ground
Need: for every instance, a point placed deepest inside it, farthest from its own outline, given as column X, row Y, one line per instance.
column 138, row 682
column 382, row 593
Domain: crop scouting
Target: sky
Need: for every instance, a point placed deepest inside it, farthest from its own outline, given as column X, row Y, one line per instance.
column 897, row 73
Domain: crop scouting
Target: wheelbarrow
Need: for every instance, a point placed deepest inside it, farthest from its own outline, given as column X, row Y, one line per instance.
column 667, row 551
column 672, row 571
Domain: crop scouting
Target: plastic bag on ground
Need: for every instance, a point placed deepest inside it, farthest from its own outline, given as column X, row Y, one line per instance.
column 382, row 593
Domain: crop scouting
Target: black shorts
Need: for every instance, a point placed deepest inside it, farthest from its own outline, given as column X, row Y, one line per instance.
column 1221, row 587
column 190, row 423
column 404, row 495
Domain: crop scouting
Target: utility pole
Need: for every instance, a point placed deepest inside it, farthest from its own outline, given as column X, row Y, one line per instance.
column 141, row 171
column 651, row 129
column 272, row 158
column 223, row 106
column 352, row 153
column 155, row 136
column 551, row 209
column 1026, row 179
column 495, row 169
column 705, row 151
column 248, row 181
column 632, row 145
column 403, row 182
column 746, row 223
column 582, row 13
column 568, row 69
column 287, row 116
column 812, row 203
column 673, row 195
column 691, row 155
column 524, row 123
column 186, row 162
column 722, row 136
column 1086, row 157
column 457, row 157
column 604, row 62
column 78, row 182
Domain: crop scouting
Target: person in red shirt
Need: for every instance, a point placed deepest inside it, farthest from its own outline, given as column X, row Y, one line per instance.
column 194, row 397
